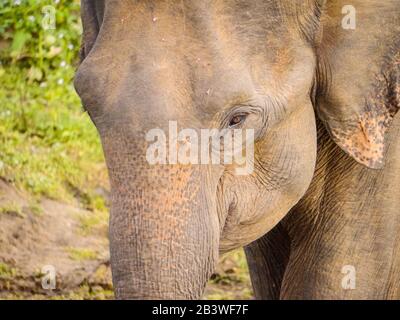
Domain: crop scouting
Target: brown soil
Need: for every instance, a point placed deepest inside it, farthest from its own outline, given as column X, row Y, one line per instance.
column 48, row 233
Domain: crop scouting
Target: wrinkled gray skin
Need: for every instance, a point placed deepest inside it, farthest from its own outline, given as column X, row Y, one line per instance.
column 273, row 63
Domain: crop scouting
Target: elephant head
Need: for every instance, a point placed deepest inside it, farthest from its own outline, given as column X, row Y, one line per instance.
column 226, row 65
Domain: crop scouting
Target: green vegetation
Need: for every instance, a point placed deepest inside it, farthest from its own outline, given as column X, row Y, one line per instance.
column 80, row 254
column 48, row 146
column 89, row 222
column 12, row 208
column 86, row 292
column 35, row 208
column 232, row 280
column 31, row 41
column 6, row 271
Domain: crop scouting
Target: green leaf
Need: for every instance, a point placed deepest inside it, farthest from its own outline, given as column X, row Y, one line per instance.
column 17, row 46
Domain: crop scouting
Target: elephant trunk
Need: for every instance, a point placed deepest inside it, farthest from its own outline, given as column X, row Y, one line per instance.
column 163, row 245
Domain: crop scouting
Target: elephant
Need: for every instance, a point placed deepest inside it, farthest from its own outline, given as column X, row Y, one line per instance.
column 318, row 82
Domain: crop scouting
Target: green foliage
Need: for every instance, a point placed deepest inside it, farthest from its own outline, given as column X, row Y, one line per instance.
column 35, row 208
column 12, row 208
column 89, row 222
column 6, row 271
column 27, row 41
column 81, row 254
column 48, row 146
column 232, row 280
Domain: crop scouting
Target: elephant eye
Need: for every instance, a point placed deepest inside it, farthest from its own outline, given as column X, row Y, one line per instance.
column 236, row 120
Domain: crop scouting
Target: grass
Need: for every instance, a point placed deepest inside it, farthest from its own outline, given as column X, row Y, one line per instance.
column 35, row 208
column 89, row 222
column 81, row 254
column 232, row 280
column 12, row 208
column 6, row 271
column 86, row 292
column 48, row 146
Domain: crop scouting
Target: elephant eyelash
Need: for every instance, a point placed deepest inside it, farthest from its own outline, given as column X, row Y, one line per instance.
column 237, row 120
column 233, row 119
column 241, row 113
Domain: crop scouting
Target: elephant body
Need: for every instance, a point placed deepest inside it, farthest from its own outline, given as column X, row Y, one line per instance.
column 318, row 84
column 348, row 217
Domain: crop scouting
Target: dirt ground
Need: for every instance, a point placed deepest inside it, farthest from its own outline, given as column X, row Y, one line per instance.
column 38, row 236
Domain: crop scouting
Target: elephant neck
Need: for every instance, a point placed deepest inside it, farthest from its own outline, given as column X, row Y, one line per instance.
column 349, row 218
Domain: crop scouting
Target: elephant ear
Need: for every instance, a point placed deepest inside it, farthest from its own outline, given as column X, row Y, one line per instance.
column 358, row 76
column 92, row 12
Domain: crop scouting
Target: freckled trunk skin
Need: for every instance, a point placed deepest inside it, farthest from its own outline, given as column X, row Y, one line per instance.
column 162, row 243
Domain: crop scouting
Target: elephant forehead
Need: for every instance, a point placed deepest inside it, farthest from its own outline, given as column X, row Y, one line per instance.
column 209, row 50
